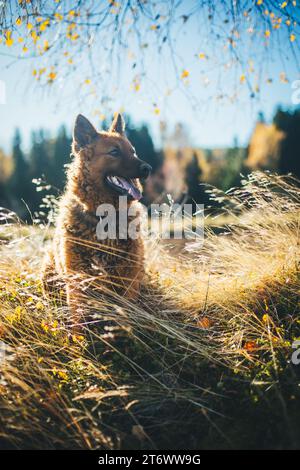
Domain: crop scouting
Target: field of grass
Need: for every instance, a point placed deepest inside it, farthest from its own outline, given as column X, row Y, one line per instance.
column 202, row 360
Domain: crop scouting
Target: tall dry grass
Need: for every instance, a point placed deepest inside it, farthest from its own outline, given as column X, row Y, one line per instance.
column 201, row 360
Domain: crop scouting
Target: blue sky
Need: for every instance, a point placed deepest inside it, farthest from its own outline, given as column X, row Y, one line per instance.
column 214, row 123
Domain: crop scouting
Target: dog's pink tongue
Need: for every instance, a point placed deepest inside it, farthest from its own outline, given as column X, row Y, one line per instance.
column 131, row 189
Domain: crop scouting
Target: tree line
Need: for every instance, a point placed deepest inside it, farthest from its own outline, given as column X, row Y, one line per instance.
column 43, row 166
column 25, row 179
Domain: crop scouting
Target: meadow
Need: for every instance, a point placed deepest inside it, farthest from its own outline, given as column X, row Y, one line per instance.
column 202, row 360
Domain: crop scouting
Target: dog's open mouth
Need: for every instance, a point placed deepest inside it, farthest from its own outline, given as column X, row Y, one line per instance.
column 124, row 186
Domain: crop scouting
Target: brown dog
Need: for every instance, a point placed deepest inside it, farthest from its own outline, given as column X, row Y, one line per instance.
column 105, row 166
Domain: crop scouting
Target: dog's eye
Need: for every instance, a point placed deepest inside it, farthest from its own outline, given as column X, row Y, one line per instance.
column 115, row 152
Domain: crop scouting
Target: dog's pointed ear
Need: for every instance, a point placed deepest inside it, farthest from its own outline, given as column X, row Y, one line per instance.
column 118, row 124
column 84, row 132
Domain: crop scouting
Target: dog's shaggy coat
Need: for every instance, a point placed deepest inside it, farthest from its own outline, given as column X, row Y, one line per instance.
column 77, row 257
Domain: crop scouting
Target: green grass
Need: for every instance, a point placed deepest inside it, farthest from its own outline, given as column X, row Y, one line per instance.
column 201, row 361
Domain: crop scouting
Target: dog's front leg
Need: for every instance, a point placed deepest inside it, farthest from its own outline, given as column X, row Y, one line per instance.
column 77, row 277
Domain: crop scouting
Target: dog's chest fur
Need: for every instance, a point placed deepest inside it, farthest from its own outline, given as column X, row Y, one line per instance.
column 78, row 228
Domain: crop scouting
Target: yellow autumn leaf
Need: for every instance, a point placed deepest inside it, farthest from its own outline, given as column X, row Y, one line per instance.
column 283, row 78
column 292, row 37
column 29, row 26
column 44, row 25
column 185, row 74
column 265, row 318
column 8, row 39
column 156, row 110
column 62, row 375
column 58, row 16
column 77, row 338
column 52, row 76
column 242, row 78
column 25, row 49
column 19, row 311
column 267, row 33
column 34, row 36
column 259, row 2
column 9, row 42
column 201, row 55
column 18, row 21
column 73, row 37
column 284, row 4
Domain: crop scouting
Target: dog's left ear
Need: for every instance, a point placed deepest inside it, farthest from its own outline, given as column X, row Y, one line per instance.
column 118, row 124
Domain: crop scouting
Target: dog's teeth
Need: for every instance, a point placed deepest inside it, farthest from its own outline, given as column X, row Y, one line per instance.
column 120, row 183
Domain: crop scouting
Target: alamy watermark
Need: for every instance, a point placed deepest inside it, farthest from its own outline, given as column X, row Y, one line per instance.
column 296, row 93
column 2, row 92
column 296, row 354
column 2, row 352
column 174, row 221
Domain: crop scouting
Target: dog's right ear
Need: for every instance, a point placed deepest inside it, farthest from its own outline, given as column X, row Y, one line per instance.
column 84, row 132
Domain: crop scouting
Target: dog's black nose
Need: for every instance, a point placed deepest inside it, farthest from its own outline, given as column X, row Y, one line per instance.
column 145, row 170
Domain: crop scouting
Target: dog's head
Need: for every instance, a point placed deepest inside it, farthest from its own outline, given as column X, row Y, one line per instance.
column 108, row 161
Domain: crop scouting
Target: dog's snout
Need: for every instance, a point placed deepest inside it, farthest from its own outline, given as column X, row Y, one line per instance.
column 145, row 170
